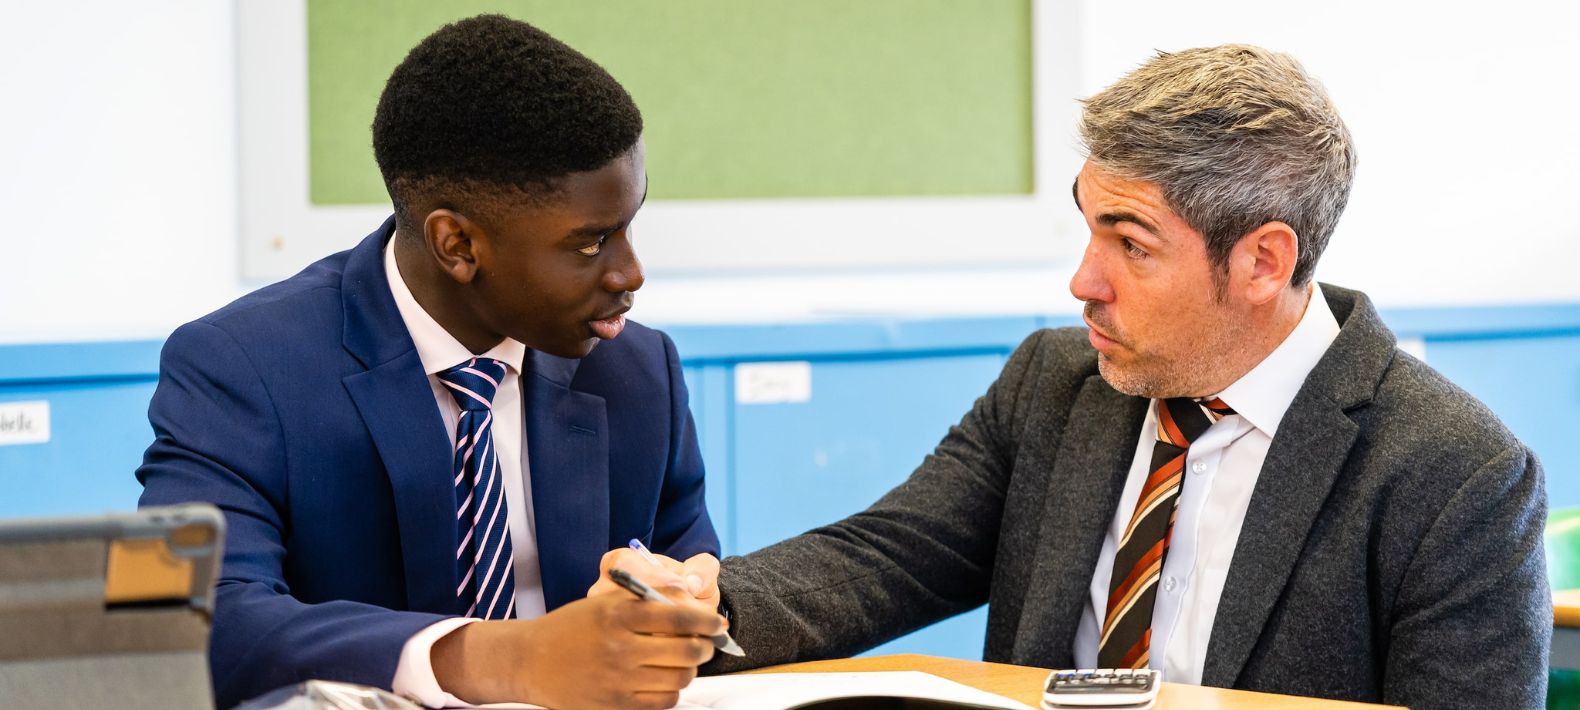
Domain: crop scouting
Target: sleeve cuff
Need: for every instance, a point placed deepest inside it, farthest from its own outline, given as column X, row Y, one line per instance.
column 414, row 678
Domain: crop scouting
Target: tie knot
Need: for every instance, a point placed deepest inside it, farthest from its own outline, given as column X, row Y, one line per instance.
column 474, row 382
column 1182, row 420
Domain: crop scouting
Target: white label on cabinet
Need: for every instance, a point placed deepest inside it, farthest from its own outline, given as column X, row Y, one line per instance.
column 773, row 382
column 24, row 422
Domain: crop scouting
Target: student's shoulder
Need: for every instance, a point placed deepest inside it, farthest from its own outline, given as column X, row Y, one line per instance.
column 638, row 346
column 307, row 306
column 638, row 364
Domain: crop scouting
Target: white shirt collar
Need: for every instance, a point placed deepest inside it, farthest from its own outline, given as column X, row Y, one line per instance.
column 1264, row 394
column 438, row 350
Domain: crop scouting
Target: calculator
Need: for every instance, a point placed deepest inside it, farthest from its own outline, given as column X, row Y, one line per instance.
column 1102, row 689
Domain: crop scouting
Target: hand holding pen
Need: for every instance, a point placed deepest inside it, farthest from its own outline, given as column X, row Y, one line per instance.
column 722, row 641
column 698, row 576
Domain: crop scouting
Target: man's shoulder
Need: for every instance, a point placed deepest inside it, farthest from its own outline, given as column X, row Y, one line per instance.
column 1416, row 408
column 1055, row 356
column 1410, row 417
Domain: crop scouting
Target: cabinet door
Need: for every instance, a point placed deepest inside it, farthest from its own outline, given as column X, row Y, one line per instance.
column 98, row 431
column 864, row 429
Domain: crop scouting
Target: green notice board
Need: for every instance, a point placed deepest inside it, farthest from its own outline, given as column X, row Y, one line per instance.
column 741, row 98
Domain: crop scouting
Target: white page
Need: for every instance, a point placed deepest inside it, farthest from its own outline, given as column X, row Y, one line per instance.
column 773, row 691
column 776, row 691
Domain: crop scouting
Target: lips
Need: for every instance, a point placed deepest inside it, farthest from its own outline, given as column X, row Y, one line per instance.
column 608, row 327
column 1099, row 341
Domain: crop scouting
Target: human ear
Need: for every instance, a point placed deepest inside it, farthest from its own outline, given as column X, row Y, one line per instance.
column 453, row 241
column 1263, row 261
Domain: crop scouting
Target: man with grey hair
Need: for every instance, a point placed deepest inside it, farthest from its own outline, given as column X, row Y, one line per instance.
column 1231, row 475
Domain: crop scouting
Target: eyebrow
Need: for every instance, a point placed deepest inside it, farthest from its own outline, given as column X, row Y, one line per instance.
column 598, row 230
column 1109, row 219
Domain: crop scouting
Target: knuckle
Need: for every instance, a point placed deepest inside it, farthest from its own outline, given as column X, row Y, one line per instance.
column 702, row 650
column 622, row 614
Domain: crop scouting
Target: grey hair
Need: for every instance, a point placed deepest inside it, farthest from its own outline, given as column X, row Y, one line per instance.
column 1235, row 136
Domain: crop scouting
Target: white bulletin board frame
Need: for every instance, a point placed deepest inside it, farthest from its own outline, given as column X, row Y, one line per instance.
column 282, row 231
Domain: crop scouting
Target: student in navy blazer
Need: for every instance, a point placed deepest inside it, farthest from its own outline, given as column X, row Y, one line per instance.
column 303, row 411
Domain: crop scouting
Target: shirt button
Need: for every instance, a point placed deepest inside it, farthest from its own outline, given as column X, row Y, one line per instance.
column 1199, row 467
column 1169, row 583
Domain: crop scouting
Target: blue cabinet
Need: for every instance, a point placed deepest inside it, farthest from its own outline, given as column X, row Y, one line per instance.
column 881, row 396
column 97, row 395
column 867, row 425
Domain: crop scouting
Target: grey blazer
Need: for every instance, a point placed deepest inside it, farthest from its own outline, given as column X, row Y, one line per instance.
column 1392, row 551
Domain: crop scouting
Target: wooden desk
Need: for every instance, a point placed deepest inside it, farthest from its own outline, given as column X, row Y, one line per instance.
column 1566, row 630
column 1025, row 684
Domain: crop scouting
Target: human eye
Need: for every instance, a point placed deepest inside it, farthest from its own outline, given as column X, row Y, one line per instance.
column 594, row 248
column 1131, row 250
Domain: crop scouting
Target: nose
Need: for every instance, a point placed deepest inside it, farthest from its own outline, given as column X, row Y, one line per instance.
column 625, row 273
column 1089, row 284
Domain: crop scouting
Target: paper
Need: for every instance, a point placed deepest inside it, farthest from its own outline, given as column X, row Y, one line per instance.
column 774, row 691
column 777, row 691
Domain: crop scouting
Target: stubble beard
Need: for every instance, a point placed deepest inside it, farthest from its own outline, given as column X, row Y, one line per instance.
column 1194, row 373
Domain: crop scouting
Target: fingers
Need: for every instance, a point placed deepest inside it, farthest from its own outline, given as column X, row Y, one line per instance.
column 701, row 573
column 666, row 579
column 679, row 653
column 647, row 700
column 645, row 617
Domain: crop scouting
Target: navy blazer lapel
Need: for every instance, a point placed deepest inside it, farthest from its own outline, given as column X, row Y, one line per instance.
column 568, row 451
column 1089, row 470
column 1305, row 460
column 396, row 403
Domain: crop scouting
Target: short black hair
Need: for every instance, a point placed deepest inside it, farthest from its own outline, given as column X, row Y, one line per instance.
column 491, row 107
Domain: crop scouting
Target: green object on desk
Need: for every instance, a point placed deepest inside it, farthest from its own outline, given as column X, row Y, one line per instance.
column 1563, row 548
column 1562, row 539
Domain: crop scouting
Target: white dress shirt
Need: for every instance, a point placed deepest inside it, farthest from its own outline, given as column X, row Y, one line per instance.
column 440, row 351
column 1222, row 467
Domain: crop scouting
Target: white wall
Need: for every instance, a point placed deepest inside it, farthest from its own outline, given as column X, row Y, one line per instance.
column 1464, row 115
column 118, row 168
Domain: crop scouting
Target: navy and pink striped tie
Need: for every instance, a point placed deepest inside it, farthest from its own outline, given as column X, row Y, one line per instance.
column 483, row 557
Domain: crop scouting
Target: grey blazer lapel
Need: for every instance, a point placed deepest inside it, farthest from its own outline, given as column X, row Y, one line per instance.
column 1089, row 467
column 1306, row 458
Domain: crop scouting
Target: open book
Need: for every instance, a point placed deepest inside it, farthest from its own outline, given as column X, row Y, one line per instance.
column 834, row 691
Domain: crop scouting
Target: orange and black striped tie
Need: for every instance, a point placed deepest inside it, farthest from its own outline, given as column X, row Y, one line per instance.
column 1127, row 625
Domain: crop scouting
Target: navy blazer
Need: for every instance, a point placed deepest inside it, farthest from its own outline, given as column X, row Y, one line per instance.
column 303, row 412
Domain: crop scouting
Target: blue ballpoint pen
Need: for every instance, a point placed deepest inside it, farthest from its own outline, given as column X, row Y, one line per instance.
column 636, row 586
